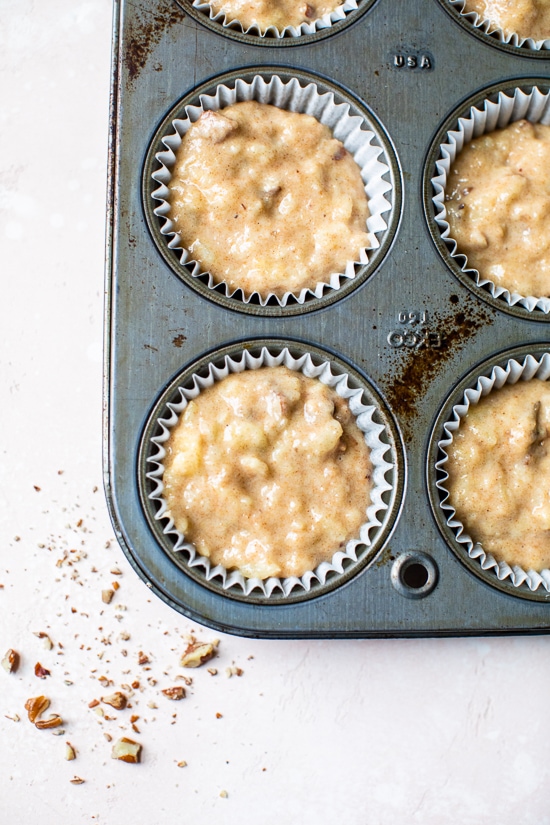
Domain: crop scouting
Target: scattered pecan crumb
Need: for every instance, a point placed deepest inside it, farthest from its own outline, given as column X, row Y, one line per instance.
column 53, row 722
column 36, row 488
column 36, row 706
column 11, row 660
column 117, row 700
column 219, row 715
column 116, row 572
column 152, row 705
column 182, row 764
column 176, row 692
column 14, row 718
column 198, row 653
column 134, row 717
column 48, row 644
column 70, row 752
column 107, row 596
column 143, row 659
column 108, row 737
column 115, row 586
column 126, row 750
column 94, row 703
column 135, row 728
column 40, row 671
column 77, row 780
column 224, row 794
column 135, row 684
column 213, row 671
column 233, row 671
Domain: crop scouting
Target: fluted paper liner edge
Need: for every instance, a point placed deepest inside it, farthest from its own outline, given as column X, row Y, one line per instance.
column 487, row 116
column 489, row 27
column 292, row 96
column 498, row 376
column 326, row 21
column 364, row 416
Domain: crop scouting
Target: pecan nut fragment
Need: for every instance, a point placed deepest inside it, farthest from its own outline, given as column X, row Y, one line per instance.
column 117, row 700
column 126, row 750
column 41, row 671
column 53, row 722
column 10, row 662
column 36, row 706
column 198, row 653
column 176, row 692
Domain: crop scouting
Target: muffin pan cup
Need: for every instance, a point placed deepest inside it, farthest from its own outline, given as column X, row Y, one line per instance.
column 413, row 332
column 506, row 370
column 344, row 15
column 357, row 129
column 496, row 108
column 371, row 418
column 492, row 34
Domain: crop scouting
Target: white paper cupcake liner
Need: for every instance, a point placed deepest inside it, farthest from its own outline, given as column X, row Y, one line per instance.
column 533, row 106
column 498, row 376
column 383, row 478
column 490, row 28
column 272, row 32
column 290, row 95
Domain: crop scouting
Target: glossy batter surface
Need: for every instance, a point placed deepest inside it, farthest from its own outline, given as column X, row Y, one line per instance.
column 498, row 206
column 267, row 200
column 528, row 18
column 268, row 472
column 278, row 13
column 499, row 474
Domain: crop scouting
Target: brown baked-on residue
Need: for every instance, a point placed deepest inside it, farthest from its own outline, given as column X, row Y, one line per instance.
column 145, row 32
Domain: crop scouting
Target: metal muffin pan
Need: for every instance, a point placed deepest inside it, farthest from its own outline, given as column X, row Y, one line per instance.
column 411, row 330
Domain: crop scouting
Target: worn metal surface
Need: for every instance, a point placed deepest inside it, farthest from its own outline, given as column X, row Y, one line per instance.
column 413, row 328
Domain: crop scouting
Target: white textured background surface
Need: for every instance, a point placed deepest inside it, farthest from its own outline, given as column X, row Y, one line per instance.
column 358, row 732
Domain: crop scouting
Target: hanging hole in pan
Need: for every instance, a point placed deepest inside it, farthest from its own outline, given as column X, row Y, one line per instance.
column 414, row 575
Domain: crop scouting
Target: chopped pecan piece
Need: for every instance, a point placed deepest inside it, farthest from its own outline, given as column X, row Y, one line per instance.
column 36, row 706
column 214, row 127
column 176, row 692
column 126, row 750
column 53, row 722
column 107, row 596
column 10, row 662
column 198, row 653
column 117, row 700
column 40, row 671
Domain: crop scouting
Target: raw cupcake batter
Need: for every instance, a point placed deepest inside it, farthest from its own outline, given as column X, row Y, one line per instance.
column 278, row 13
column 498, row 206
column 267, row 200
column 268, row 472
column 528, row 18
column 499, row 474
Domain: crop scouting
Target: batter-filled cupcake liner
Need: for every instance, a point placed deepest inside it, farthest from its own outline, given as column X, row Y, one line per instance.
column 494, row 379
column 350, row 129
column 490, row 28
column 383, row 474
column 508, row 107
column 273, row 32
